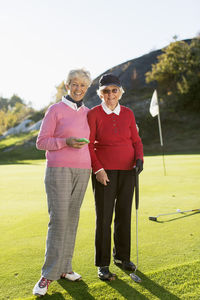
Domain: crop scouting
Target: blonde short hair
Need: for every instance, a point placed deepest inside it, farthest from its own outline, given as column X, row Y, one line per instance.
column 79, row 73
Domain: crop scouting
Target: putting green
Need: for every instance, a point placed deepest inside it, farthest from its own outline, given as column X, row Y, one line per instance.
column 168, row 249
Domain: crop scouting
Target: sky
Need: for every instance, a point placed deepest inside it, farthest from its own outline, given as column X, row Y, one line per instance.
column 42, row 40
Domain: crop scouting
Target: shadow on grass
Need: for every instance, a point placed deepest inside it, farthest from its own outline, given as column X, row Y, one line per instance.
column 177, row 218
column 15, row 162
column 77, row 290
column 26, row 161
column 25, row 156
column 155, row 288
column 55, row 296
column 130, row 293
column 126, row 290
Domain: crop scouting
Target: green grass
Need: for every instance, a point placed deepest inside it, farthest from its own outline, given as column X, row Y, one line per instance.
column 17, row 139
column 19, row 147
column 169, row 263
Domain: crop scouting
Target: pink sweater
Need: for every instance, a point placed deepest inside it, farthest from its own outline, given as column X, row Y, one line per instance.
column 59, row 123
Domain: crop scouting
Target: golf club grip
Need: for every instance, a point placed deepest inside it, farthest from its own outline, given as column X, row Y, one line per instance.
column 136, row 191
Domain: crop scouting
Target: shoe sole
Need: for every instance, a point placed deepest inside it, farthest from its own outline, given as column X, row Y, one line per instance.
column 79, row 279
column 76, row 280
column 111, row 278
column 38, row 295
column 123, row 268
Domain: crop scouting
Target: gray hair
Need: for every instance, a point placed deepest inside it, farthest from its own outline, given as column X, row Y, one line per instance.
column 99, row 91
column 79, row 73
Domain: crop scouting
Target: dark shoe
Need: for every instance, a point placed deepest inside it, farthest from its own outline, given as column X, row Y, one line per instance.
column 125, row 265
column 105, row 274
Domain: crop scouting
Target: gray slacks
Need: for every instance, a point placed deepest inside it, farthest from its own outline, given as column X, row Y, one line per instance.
column 65, row 189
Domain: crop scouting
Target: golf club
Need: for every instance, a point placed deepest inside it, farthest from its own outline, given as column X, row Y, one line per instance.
column 133, row 275
column 178, row 211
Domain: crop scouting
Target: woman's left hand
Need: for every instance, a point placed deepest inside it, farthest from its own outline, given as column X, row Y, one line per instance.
column 139, row 166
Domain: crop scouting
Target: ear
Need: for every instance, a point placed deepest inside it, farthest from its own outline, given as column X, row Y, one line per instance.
column 67, row 87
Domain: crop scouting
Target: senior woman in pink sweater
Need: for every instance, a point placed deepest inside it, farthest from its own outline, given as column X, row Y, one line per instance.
column 66, row 179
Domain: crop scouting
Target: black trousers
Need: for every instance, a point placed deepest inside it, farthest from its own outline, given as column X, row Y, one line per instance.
column 116, row 196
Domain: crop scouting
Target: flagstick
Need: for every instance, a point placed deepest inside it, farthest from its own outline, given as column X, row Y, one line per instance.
column 154, row 111
column 161, row 140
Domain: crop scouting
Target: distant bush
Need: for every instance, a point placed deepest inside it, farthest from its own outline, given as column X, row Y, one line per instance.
column 12, row 112
column 37, row 116
column 177, row 73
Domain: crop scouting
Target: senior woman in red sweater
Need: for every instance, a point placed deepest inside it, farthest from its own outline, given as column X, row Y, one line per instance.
column 115, row 149
column 66, row 179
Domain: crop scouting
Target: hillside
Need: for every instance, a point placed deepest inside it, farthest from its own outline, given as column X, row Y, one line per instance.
column 180, row 128
column 132, row 77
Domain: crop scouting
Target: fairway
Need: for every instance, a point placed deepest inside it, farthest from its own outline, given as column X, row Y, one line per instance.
column 169, row 249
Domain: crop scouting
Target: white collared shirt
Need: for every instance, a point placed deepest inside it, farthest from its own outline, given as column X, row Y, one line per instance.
column 108, row 111
column 71, row 104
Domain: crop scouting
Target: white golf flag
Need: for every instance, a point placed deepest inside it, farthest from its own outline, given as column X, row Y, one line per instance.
column 154, row 110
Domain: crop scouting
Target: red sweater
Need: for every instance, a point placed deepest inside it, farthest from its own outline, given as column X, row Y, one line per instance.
column 114, row 140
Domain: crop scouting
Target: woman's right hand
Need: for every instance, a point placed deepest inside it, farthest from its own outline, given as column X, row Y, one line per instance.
column 72, row 142
column 102, row 177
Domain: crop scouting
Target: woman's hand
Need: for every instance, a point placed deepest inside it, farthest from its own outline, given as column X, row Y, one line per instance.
column 139, row 166
column 72, row 142
column 102, row 177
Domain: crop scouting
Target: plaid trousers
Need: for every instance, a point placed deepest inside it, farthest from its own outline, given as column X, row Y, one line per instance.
column 65, row 189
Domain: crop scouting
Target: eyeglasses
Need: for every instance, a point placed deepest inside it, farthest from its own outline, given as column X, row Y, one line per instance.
column 107, row 91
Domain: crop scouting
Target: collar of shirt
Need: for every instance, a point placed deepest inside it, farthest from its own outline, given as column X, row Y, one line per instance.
column 108, row 111
column 71, row 104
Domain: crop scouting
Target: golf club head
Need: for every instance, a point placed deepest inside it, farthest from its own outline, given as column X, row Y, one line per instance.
column 135, row 277
column 153, row 218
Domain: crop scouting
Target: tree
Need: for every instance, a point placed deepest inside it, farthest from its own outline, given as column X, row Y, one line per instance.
column 61, row 91
column 177, row 73
column 4, row 104
column 12, row 112
column 15, row 99
column 7, row 120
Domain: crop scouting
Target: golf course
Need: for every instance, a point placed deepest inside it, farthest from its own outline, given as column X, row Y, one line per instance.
column 169, row 248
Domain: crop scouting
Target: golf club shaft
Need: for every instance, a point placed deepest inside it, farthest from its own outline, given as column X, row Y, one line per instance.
column 178, row 212
column 136, row 207
column 133, row 275
column 136, row 191
column 137, row 238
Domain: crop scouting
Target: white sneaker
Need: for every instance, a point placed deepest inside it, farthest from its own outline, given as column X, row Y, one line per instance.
column 72, row 276
column 41, row 286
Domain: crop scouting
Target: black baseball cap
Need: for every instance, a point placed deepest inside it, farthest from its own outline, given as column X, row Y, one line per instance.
column 109, row 79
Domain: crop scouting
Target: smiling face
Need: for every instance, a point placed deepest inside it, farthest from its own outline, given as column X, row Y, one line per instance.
column 77, row 88
column 111, row 95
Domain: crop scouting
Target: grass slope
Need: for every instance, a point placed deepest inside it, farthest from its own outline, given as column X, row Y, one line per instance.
column 169, row 262
column 180, row 134
column 19, row 147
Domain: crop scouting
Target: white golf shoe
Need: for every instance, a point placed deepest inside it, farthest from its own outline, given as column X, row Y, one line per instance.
column 41, row 287
column 72, row 276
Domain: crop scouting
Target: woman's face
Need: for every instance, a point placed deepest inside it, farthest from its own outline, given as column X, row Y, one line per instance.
column 77, row 88
column 111, row 95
